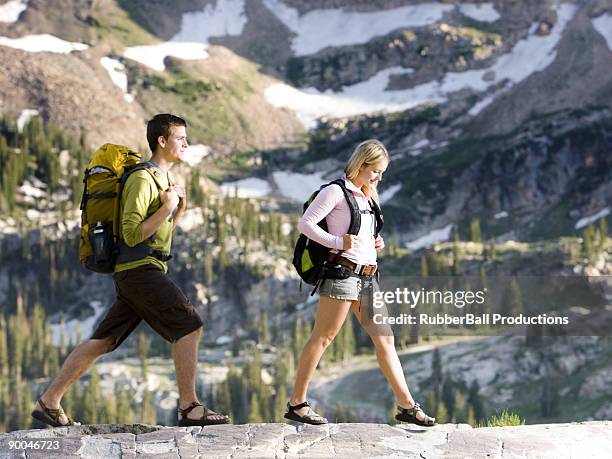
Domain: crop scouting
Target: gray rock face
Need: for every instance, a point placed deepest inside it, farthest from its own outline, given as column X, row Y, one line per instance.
column 590, row 439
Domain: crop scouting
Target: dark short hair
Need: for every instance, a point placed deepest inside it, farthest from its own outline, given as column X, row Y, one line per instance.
column 160, row 125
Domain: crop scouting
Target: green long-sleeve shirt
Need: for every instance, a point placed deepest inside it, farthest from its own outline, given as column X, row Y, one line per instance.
column 139, row 201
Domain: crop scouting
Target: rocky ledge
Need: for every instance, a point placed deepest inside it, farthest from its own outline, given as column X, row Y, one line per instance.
column 586, row 439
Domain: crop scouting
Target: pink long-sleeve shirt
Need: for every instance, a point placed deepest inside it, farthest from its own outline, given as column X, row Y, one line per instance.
column 331, row 204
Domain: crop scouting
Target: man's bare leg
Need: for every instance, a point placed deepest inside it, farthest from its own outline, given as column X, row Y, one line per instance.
column 185, row 355
column 77, row 363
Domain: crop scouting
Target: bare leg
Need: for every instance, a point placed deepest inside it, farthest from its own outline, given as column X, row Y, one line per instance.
column 390, row 365
column 330, row 316
column 77, row 363
column 185, row 355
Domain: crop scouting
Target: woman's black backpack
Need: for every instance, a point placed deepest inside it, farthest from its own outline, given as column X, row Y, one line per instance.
column 308, row 255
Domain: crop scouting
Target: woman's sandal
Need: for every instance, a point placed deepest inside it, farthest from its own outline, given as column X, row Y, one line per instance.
column 204, row 420
column 308, row 418
column 410, row 415
column 50, row 416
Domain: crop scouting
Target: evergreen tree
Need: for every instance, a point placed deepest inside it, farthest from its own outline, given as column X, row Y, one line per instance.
column 348, row 340
column 25, row 407
column 237, row 393
column 68, row 400
column 513, row 299
column 280, row 403
column 143, row 344
column 149, row 414
column 471, row 417
column 436, row 372
column 208, row 268
column 448, row 396
column 124, row 409
column 264, row 329
column 223, row 400
column 92, row 404
column 603, row 233
column 589, row 244
column 484, row 285
column 63, row 348
column 431, row 402
column 441, row 414
column 254, row 409
column 475, row 400
column 550, row 400
column 460, row 409
column 456, row 268
column 475, row 235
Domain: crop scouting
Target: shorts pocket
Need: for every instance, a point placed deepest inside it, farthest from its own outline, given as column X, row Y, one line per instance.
column 342, row 289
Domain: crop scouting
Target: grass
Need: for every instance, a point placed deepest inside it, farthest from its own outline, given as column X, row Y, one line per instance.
column 504, row 419
column 114, row 26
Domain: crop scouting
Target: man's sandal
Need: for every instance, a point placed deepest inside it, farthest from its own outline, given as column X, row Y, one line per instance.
column 51, row 416
column 204, row 420
column 410, row 415
column 308, row 418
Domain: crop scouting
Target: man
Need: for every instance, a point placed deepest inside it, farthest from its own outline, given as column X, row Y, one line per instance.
column 144, row 291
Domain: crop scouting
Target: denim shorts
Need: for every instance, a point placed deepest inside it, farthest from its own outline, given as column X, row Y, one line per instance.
column 349, row 289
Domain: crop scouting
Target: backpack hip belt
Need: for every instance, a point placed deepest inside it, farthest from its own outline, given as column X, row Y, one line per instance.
column 138, row 252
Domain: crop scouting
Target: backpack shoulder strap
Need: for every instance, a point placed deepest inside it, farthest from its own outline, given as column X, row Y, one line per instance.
column 353, row 206
column 378, row 216
column 151, row 168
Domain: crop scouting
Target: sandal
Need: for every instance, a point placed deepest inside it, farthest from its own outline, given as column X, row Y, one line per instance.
column 308, row 418
column 50, row 416
column 409, row 415
column 204, row 420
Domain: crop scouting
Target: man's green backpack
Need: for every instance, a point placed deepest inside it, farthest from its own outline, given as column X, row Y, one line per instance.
column 104, row 180
column 309, row 255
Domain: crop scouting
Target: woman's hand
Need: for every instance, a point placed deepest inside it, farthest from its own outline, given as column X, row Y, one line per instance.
column 349, row 241
column 379, row 243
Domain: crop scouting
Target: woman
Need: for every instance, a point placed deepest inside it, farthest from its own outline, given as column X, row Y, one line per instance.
column 362, row 173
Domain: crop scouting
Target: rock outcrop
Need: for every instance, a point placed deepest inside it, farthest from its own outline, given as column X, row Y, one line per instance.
column 589, row 439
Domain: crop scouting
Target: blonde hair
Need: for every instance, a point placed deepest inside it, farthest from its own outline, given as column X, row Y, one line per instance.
column 365, row 154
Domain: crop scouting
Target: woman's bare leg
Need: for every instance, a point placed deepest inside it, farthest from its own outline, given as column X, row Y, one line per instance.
column 389, row 362
column 331, row 314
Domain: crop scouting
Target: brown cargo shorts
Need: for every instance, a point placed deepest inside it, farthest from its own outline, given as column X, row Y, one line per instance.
column 147, row 293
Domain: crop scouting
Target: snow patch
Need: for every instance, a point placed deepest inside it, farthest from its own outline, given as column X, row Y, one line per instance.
column 42, row 43
column 481, row 105
column 75, row 328
column 10, row 11
column 223, row 340
column 433, row 237
column 246, row 188
column 502, row 214
column 484, row 12
column 297, row 186
column 592, row 219
column 191, row 219
column 153, row 55
column 225, row 18
column 389, row 193
column 603, row 25
column 530, row 55
column 320, row 29
column 366, row 97
column 421, row 143
column 24, row 117
column 116, row 71
column 29, row 190
column 64, row 161
column 195, row 153
column 8, row 226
